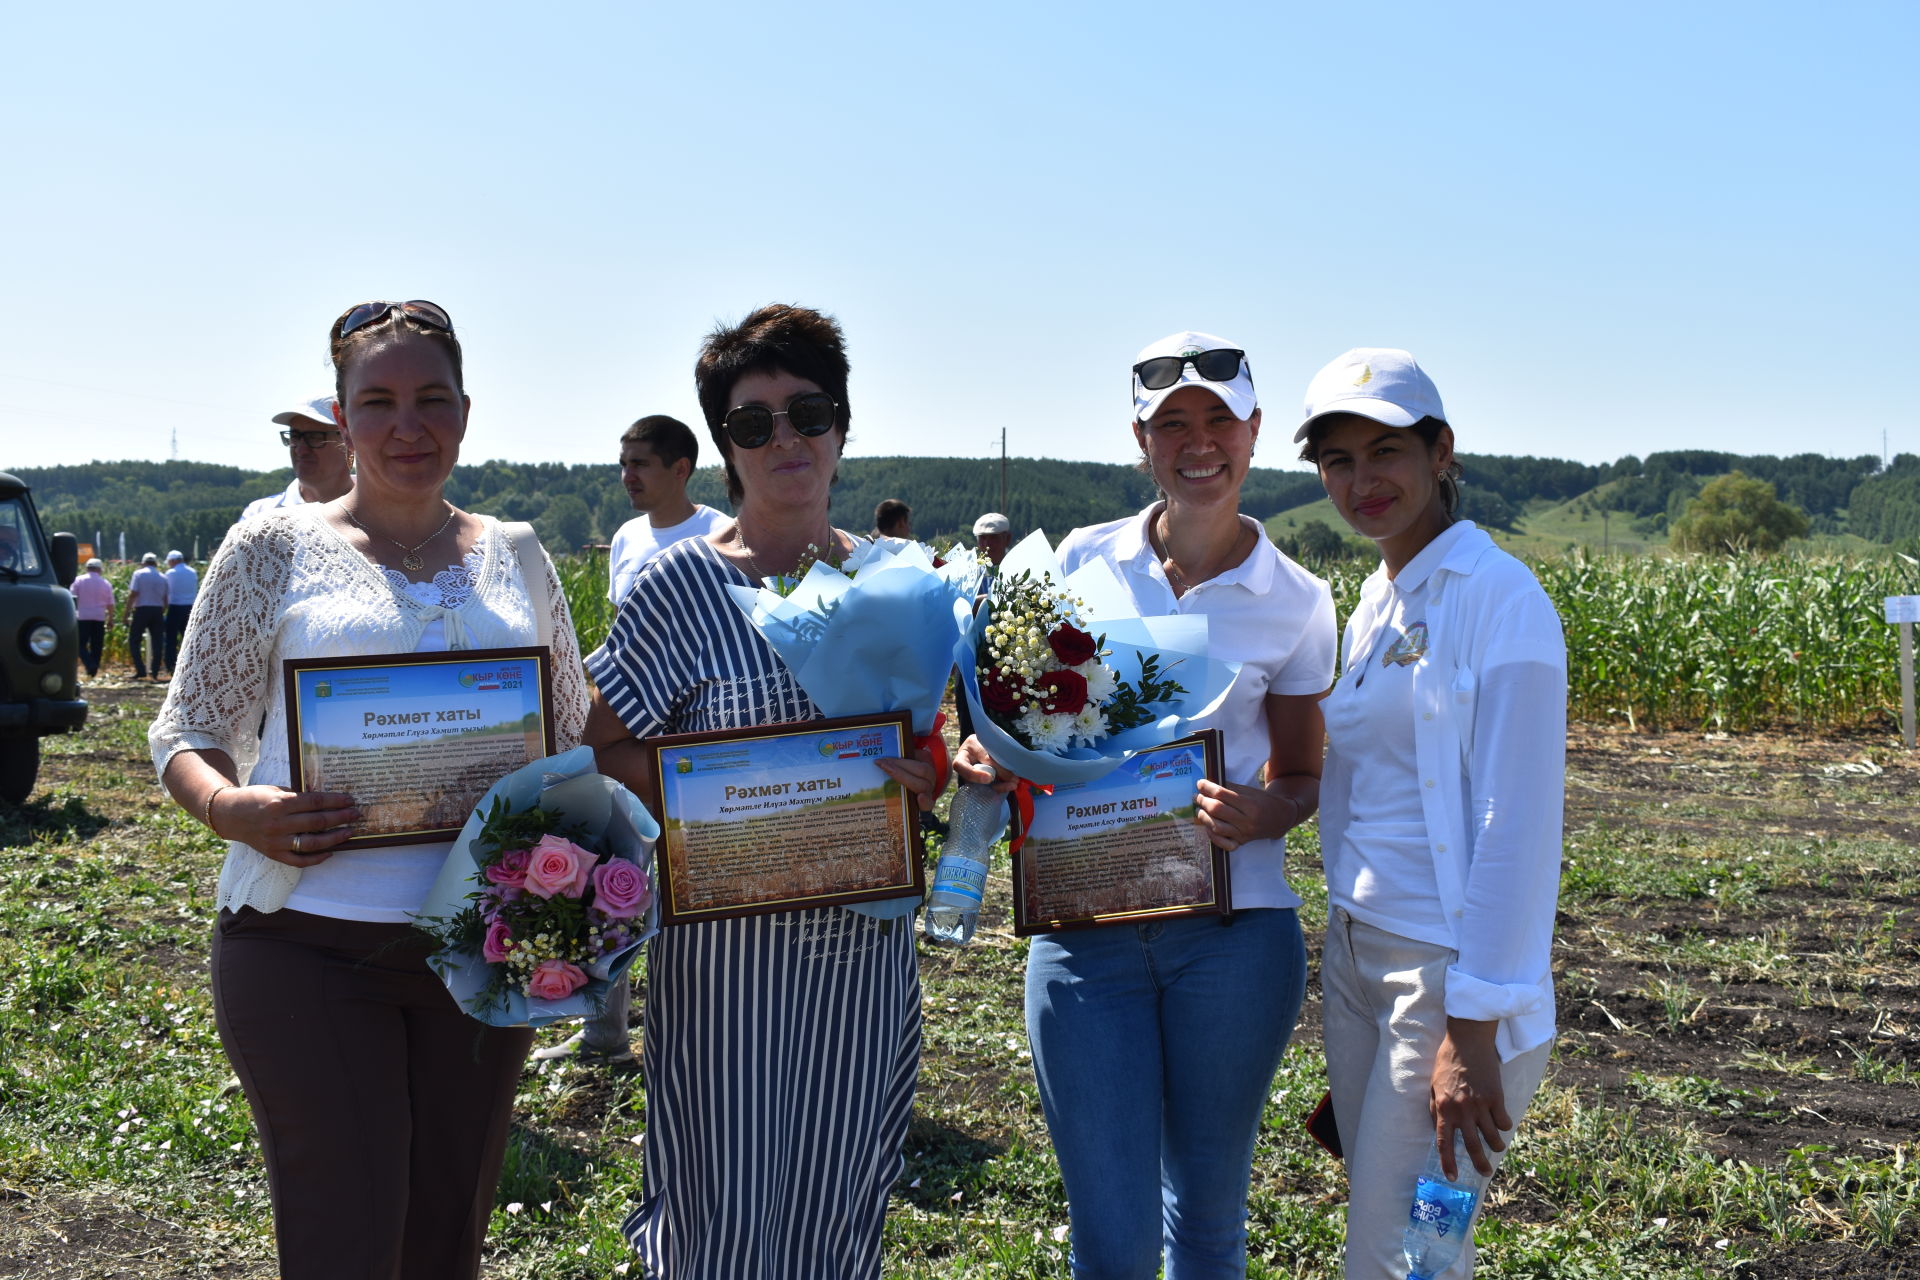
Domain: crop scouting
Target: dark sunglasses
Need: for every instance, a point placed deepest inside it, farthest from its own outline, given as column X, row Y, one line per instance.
column 1219, row 365
column 750, row 425
column 311, row 439
column 430, row 314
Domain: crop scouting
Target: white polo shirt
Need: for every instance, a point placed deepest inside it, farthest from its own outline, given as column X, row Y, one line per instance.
column 1266, row 613
column 288, row 497
column 638, row 541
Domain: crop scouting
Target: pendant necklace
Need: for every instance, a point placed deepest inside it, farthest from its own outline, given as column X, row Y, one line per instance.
column 411, row 561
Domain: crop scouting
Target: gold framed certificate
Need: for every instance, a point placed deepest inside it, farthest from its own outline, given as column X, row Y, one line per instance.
column 416, row 738
column 1123, row 848
column 783, row 817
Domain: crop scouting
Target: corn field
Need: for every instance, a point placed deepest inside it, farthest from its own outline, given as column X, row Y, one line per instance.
column 1792, row 641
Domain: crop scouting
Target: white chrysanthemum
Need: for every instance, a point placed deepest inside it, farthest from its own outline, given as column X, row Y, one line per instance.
column 1045, row 732
column 1090, row 725
column 1101, row 681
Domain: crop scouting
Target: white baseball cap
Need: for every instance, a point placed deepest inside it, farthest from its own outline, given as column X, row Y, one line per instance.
column 1382, row 383
column 174, row 555
column 1236, row 393
column 992, row 522
column 320, row 409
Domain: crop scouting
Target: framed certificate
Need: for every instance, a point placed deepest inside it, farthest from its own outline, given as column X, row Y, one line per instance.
column 782, row 817
column 416, row 738
column 1124, row 847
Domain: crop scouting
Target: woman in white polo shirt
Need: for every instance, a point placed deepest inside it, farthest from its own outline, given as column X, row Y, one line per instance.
column 1441, row 810
column 1155, row 1044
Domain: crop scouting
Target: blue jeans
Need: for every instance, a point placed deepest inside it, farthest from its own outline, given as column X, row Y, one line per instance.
column 1155, row 1046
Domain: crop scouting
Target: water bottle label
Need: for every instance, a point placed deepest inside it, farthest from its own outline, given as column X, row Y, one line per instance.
column 1441, row 1205
column 961, row 877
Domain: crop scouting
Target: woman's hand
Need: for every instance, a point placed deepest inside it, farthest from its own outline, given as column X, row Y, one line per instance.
column 298, row 828
column 974, row 765
column 1466, row 1094
column 917, row 774
column 1233, row 815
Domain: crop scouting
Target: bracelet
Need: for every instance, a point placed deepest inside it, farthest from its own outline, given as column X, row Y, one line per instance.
column 206, row 809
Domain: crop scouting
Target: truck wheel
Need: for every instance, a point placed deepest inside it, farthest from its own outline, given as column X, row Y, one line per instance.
column 19, row 761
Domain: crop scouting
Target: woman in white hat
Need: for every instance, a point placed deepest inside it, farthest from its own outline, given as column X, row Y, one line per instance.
column 1155, row 1044
column 1441, row 811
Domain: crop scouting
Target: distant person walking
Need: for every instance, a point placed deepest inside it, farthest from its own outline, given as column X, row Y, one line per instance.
column 657, row 458
column 93, row 604
column 183, row 584
column 322, row 459
column 993, row 535
column 146, row 615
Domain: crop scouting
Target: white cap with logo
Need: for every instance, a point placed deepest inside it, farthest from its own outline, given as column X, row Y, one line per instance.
column 1236, row 392
column 1382, row 383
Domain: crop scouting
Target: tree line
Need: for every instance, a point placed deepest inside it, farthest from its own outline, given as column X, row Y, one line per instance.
column 163, row 505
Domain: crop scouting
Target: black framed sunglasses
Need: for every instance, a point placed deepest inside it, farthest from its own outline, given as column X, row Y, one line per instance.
column 431, row 314
column 751, row 425
column 1222, row 364
column 311, row 439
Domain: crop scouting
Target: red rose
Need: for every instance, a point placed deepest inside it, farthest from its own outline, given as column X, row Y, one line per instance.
column 1071, row 645
column 1000, row 695
column 1064, row 691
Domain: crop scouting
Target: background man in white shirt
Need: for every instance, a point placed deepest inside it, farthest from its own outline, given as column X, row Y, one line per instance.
column 146, row 617
column 322, row 462
column 657, row 458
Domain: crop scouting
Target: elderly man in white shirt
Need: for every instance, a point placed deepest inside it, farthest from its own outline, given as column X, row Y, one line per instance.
column 322, row 460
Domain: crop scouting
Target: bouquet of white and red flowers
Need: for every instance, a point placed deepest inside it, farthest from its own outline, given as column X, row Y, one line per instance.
column 546, row 896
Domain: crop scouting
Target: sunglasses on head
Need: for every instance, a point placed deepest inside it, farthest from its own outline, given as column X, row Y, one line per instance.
column 431, row 314
column 311, row 439
column 1222, row 364
column 751, row 425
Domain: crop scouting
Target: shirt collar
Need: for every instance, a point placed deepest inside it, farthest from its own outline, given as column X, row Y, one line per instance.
column 1133, row 546
column 1455, row 550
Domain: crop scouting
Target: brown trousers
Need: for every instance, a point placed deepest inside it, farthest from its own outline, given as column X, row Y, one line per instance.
column 383, row 1109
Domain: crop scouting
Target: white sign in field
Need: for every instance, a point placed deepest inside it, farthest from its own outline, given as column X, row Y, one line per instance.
column 1903, row 608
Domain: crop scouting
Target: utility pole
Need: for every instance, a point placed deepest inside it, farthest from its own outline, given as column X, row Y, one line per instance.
column 175, row 452
column 1003, row 469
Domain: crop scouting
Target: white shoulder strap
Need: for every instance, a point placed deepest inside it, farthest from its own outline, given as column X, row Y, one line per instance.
column 533, row 571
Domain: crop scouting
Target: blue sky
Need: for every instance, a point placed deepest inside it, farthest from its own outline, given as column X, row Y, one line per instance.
column 1604, row 229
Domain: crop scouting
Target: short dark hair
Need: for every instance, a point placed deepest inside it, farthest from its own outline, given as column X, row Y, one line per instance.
column 1428, row 429
column 777, row 338
column 669, row 438
column 889, row 513
column 394, row 324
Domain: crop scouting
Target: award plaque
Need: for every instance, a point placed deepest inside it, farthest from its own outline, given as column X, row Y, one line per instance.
column 1125, row 847
column 783, row 817
column 416, row 738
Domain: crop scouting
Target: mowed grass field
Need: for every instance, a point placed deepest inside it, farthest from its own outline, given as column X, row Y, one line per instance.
column 1736, row 1087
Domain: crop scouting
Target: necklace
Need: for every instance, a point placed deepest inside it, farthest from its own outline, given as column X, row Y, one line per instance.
column 411, row 561
column 807, row 557
column 1176, row 577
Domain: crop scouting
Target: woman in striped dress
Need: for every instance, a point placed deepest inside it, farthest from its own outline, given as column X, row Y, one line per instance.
column 780, row 1050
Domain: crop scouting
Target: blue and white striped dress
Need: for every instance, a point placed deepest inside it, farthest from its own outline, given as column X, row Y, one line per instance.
column 780, row 1050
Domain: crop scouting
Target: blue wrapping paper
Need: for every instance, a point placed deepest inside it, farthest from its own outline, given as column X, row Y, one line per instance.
column 615, row 822
column 1180, row 641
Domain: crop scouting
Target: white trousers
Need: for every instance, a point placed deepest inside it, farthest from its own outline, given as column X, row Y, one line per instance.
column 1384, row 1015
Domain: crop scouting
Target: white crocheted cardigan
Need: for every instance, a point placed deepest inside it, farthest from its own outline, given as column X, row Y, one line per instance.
column 289, row 586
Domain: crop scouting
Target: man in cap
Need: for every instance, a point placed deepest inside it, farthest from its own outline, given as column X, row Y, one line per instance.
column 93, row 606
column 146, row 616
column 183, row 584
column 993, row 534
column 322, row 462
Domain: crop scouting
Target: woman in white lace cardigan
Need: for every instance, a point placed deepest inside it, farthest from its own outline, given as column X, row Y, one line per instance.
column 382, row 1108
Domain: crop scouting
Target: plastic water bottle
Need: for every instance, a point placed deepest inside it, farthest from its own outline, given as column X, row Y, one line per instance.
column 978, row 817
column 1441, row 1221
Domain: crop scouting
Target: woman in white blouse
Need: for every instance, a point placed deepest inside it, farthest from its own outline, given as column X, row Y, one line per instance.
column 1440, row 810
column 382, row 1108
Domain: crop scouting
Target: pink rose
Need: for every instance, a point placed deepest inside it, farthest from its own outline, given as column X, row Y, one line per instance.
column 558, row 866
column 555, row 980
column 620, row 889
column 511, row 870
column 498, row 942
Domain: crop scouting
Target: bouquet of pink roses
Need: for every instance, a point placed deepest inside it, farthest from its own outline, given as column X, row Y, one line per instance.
column 546, row 896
